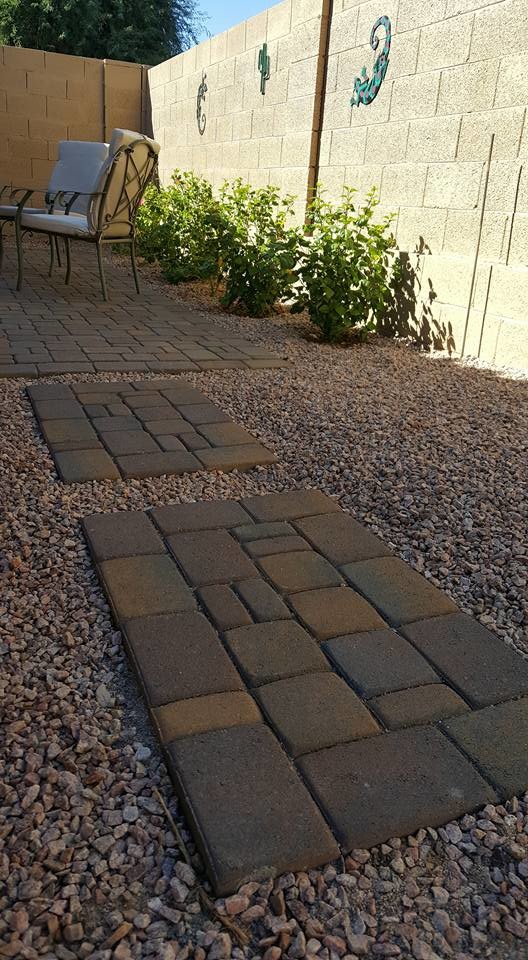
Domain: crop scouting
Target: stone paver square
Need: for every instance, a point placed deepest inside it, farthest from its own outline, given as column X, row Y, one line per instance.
column 251, row 532
column 266, row 547
column 302, row 570
column 289, row 506
column 341, row 539
column 162, row 412
column 392, row 784
column 229, row 781
column 211, row 556
column 315, row 711
column 266, row 652
column 400, row 593
column 475, row 661
column 379, row 662
column 225, row 434
column 217, row 711
column 496, row 739
column 180, row 656
column 162, row 463
column 64, row 431
column 144, row 586
column 116, row 424
column 84, row 466
column 59, row 409
column 129, row 441
column 335, row 611
column 261, row 599
column 201, row 413
column 409, row 708
column 125, row 533
column 203, row 515
column 240, row 457
column 50, row 391
column 224, row 608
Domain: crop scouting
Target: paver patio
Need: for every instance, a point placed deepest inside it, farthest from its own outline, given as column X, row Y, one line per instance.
column 98, row 431
column 313, row 693
column 49, row 328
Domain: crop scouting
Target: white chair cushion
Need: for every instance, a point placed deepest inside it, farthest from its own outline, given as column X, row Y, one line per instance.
column 112, row 212
column 77, row 170
column 76, row 226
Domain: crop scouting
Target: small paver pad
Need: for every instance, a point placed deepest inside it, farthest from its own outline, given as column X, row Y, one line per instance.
column 335, row 611
column 474, row 660
column 315, row 711
column 144, row 586
column 229, row 781
column 269, row 651
column 341, row 539
column 393, row 784
column 213, row 712
column 399, row 592
column 409, row 708
column 496, row 739
column 180, row 656
column 379, row 662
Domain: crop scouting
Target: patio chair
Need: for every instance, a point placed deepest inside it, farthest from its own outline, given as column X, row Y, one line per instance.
column 111, row 206
column 77, row 168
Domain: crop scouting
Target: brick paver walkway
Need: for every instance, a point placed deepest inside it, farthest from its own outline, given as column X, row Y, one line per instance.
column 312, row 691
column 50, row 328
column 99, row 431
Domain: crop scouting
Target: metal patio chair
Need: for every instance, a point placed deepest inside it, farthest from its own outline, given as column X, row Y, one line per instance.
column 77, row 168
column 111, row 206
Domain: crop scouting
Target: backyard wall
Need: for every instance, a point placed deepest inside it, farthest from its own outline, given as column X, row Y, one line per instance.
column 458, row 72
column 47, row 97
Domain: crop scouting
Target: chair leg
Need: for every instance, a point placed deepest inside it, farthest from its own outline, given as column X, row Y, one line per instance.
column 18, row 236
column 101, row 271
column 68, row 259
column 1, row 245
column 57, row 251
column 134, row 266
column 52, row 255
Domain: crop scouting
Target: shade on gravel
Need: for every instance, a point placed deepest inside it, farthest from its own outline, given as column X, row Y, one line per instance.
column 431, row 456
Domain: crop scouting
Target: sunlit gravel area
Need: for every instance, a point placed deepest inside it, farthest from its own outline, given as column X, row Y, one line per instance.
column 431, row 454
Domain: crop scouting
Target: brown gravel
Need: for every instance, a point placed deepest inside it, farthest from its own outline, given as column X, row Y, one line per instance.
column 431, row 454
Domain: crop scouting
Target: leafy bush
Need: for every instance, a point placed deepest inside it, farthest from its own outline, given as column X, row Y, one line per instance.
column 345, row 267
column 259, row 248
column 181, row 227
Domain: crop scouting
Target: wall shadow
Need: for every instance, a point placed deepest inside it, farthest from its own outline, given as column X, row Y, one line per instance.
column 410, row 310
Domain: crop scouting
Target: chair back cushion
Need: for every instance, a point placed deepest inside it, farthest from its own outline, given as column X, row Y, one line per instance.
column 131, row 163
column 78, row 169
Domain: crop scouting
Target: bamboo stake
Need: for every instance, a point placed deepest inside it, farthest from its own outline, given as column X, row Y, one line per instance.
column 479, row 237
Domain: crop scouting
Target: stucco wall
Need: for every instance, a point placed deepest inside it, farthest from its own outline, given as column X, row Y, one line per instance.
column 47, row 97
column 458, row 72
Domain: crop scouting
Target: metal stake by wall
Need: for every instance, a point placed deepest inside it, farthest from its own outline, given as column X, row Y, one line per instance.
column 479, row 237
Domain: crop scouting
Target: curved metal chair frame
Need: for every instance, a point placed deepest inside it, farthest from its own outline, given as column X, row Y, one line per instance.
column 122, row 215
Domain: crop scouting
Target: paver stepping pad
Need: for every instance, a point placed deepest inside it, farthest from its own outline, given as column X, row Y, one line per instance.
column 104, row 431
column 301, row 720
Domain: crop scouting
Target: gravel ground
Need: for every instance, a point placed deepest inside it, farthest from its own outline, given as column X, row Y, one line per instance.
column 430, row 454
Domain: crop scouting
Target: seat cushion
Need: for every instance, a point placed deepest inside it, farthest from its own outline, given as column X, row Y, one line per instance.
column 75, row 226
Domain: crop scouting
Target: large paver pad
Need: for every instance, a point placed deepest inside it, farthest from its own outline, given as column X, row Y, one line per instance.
column 255, row 675
column 101, row 431
column 390, row 785
column 252, row 815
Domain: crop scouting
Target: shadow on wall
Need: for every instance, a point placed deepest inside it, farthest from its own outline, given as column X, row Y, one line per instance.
column 410, row 313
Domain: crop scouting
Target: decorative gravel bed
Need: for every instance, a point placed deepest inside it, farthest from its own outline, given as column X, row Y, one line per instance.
column 431, row 456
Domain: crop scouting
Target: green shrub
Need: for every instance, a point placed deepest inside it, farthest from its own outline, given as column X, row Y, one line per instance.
column 181, row 227
column 259, row 248
column 345, row 267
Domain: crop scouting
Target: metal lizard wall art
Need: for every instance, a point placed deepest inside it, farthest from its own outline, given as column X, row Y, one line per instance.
column 201, row 118
column 366, row 88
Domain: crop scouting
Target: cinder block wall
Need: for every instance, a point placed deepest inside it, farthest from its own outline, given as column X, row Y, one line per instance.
column 458, row 72
column 47, row 97
column 263, row 138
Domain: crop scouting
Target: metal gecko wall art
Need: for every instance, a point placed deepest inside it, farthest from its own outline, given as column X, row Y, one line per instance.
column 201, row 118
column 367, row 88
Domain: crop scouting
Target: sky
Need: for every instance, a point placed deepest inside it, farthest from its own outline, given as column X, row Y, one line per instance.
column 223, row 14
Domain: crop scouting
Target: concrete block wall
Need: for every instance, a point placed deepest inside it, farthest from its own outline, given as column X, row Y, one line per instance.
column 458, row 72
column 262, row 138
column 47, row 97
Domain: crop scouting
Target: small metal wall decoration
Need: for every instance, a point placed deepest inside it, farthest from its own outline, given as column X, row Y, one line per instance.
column 366, row 88
column 264, row 65
column 201, row 118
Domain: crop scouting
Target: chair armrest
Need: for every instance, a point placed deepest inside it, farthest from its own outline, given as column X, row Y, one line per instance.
column 66, row 198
